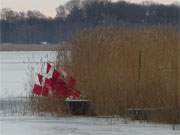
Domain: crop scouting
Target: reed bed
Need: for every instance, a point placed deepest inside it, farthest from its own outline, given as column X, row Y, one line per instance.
column 52, row 106
column 121, row 67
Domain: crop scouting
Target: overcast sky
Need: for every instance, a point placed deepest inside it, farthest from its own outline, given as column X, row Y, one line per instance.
column 47, row 7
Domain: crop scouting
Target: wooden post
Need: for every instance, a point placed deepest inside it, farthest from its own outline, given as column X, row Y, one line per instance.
column 139, row 78
column 139, row 66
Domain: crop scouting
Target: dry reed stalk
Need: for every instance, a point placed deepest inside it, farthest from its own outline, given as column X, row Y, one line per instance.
column 48, row 105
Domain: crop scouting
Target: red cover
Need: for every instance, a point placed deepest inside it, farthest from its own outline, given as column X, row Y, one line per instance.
column 48, row 67
column 76, row 94
column 40, row 77
column 56, row 85
column 71, row 82
column 37, row 89
column 60, row 88
column 56, row 74
column 48, row 83
column 45, row 92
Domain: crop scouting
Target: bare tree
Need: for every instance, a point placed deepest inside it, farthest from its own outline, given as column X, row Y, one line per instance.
column 73, row 4
column 35, row 14
column 61, row 12
column 8, row 14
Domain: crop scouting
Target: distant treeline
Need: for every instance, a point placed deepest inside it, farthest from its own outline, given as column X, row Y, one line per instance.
column 34, row 27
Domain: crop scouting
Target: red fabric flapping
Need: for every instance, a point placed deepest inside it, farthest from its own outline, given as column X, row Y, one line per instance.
column 48, row 67
column 56, row 74
column 71, row 82
column 37, row 89
column 40, row 77
column 76, row 94
column 45, row 92
column 48, row 83
column 60, row 88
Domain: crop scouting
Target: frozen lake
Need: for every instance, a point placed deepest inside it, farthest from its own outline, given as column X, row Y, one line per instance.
column 79, row 126
column 15, row 73
column 15, row 70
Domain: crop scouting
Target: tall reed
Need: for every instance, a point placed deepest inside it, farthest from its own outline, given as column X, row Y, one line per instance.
column 121, row 67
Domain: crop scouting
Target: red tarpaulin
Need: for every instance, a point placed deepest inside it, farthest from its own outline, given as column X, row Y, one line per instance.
column 56, row 74
column 56, row 85
column 48, row 83
column 75, row 93
column 48, row 68
column 71, row 82
column 40, row 77
column 60, row 88
column 37, row 89
column 45, row 92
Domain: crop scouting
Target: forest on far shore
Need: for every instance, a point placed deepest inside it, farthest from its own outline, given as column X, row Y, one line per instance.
column 34, row 27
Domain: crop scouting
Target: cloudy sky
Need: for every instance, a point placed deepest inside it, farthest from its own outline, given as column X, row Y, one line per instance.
column 48, row 6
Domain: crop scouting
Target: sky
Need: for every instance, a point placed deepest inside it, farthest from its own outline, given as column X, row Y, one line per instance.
column 48, row 7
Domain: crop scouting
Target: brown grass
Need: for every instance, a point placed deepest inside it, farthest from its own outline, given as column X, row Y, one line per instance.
column 48, row 105
column 120, row 68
